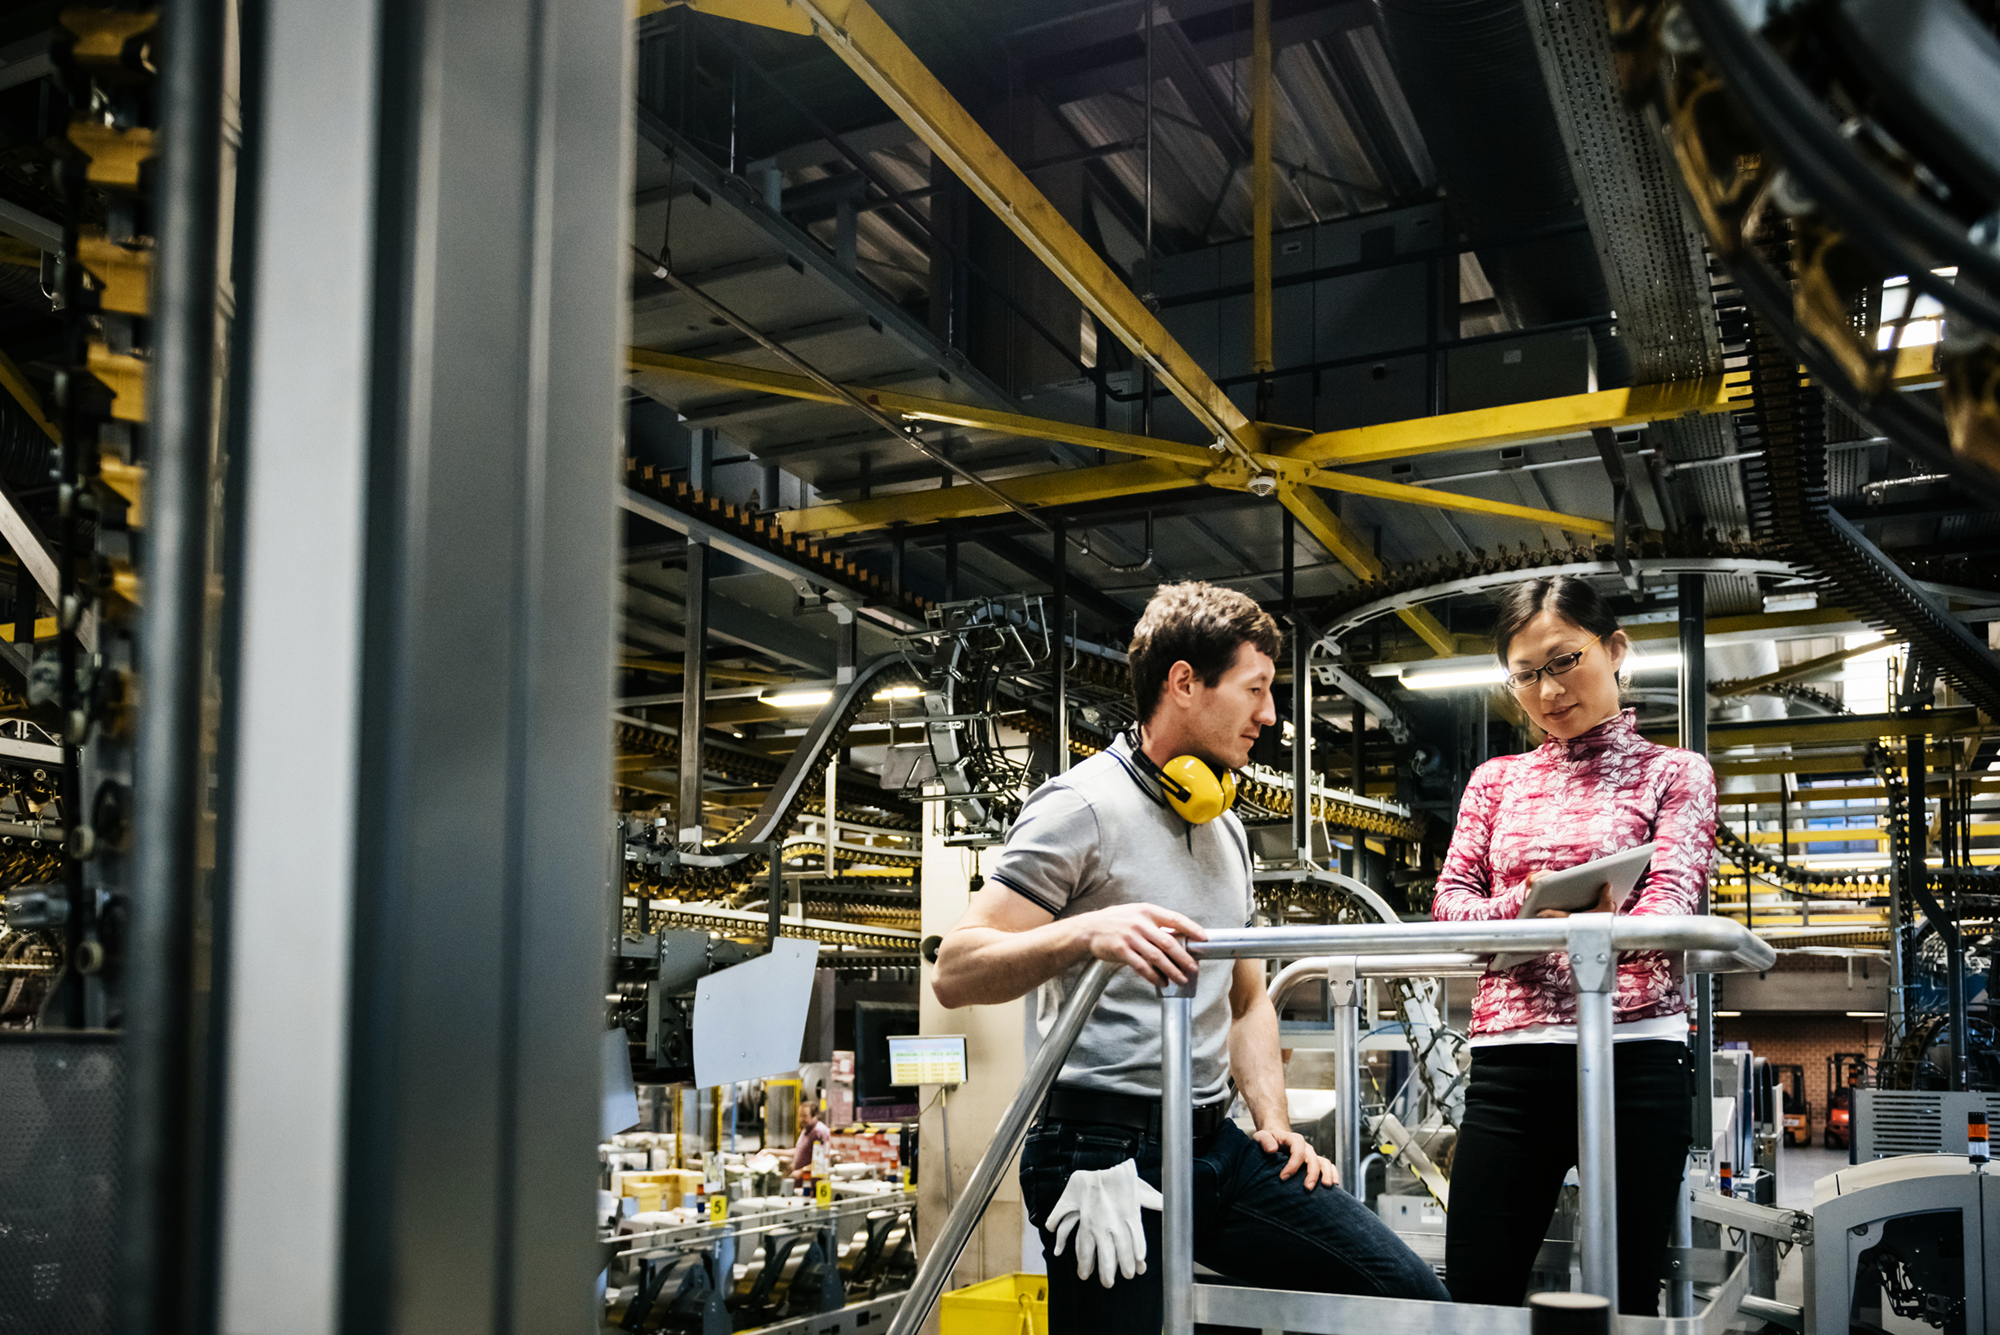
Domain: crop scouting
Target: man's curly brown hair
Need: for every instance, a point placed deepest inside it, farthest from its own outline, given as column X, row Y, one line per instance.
column 1201, row 623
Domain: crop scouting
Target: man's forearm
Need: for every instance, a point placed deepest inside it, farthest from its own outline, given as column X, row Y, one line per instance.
column 1258, row 1064
column 982, row 966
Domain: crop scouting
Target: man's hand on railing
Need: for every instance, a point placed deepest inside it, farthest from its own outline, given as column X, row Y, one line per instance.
column 1319, row 1169
column 1145, row 938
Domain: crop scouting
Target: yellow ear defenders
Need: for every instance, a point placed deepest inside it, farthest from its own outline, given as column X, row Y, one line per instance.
column 1195, row 789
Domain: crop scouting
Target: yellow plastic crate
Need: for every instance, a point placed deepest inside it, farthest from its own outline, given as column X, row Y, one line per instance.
column 1013, row 1304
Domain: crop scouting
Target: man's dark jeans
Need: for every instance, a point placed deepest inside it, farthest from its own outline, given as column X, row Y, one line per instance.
column 1248, row 1225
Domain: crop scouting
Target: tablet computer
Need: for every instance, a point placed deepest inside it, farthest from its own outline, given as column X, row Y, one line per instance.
column 1574, row 889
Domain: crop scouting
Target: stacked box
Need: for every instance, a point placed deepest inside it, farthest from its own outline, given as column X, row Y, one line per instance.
column 657, row 1191
column 881, row 1149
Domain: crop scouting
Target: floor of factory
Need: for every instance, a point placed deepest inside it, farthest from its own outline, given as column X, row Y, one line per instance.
column 1798, row 1169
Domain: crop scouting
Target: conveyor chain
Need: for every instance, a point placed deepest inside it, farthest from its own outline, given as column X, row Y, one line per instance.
column 696, row 918
column 1273, row 798
column 735, row 766
column 1401, row 582
column 1785, row 690
column 1837, row 885
column 761, row 532
column 1789, row 413
column 1277, row 800
column 802, row 779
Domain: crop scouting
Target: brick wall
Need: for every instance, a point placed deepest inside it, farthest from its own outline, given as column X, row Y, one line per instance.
column 1803, row 1040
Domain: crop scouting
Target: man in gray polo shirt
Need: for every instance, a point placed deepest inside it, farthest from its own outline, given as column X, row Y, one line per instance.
column 1101, row 866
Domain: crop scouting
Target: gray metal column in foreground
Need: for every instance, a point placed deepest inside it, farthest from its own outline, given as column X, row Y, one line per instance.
column 1344, row 991
column 163, row 1236
column 1177, row 1157
column 1693, row 629
column 1594, row 967
column 419, row 851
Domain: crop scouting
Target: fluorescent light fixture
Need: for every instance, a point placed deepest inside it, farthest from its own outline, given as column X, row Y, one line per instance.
column 1728, row 1015
column 1864, row 1015
column 1917, row 333
column 1653, row 662
column 900, row 693
column 1451, row 680
column 796, row 699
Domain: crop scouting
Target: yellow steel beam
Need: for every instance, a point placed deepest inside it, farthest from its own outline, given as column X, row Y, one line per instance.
column 1451, row 500
column 1754, row 684
column 24, row 394
column 1260, row 187
column 1079, row 484
column 1834, row 728
column 1065, row 486
column 45, row 629
column 1325, row 526
column 1544, row 419
column 763, row 13
column 1071, row 485
column 916, row 408
column 1572, row 415
column 1805, row 618
column 872, row 50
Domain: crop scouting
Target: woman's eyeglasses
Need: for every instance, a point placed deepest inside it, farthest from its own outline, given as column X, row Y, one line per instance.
column 1555, row 667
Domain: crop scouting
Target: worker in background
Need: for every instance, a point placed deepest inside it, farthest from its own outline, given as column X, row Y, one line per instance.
column 1115, row 861
column 812, row 1131
column 1593, row 788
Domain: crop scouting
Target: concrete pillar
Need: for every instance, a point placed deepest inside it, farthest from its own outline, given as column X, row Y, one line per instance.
column 996, row 1060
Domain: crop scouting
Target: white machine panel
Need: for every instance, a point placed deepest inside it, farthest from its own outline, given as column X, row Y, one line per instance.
column 750, row 1020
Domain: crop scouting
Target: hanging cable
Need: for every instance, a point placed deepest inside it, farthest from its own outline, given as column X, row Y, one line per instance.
column 1083, row 545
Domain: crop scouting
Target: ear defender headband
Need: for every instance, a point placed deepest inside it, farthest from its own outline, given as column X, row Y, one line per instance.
column 1196, row 790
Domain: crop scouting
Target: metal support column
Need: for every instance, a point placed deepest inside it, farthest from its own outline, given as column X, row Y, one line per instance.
column 1916, row 843
column 1344, row 995
column 163, row 1261
column 1177, row 1157
column 1693, row 683
column 1594, row 967
column 1302, row 643
column 694, row 695
column 451, row 409
column 846, row 643
column 694, row 661
column 1059, row 642
column 1261, row 357
column 1358, row 738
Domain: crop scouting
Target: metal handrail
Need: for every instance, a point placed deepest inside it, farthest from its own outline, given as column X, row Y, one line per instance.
column 1722, row 946
column 1008, row 1137
column 1712, row 945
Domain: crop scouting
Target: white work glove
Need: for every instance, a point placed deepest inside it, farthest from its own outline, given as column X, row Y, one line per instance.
column 1102, row 1209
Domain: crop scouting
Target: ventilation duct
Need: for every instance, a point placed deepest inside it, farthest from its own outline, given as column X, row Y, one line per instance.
column 1474, row 82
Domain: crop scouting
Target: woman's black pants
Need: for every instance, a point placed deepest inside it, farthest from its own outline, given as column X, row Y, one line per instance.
column 1517, row 1142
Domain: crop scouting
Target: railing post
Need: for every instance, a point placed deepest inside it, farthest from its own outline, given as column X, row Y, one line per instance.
column 1594, row 967
column 1345, row 995
column 935, row 1269
column 1680, row 1292
column 1177, row 1157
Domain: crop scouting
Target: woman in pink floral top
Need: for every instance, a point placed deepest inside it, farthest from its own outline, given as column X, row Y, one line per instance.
column 1593, row 788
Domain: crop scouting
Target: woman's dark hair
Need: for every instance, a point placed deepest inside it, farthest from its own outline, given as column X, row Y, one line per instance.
column 1201, row 623
column 1568, row 597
